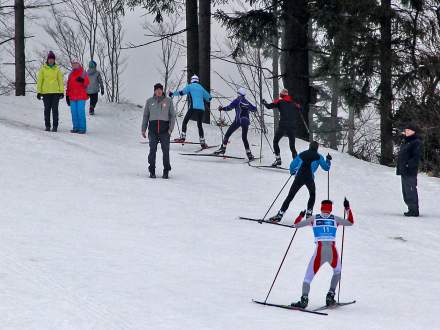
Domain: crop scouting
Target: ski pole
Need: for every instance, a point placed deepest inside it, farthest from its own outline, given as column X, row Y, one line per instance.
column 279, row 268
column 328, row 186
column 277, row 197
column 342, row 255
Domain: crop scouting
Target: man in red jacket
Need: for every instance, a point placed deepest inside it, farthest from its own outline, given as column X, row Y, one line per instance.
column 76, row 96
column 286, row 126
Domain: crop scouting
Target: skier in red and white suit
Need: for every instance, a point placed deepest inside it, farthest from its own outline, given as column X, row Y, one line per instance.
column 324, row 229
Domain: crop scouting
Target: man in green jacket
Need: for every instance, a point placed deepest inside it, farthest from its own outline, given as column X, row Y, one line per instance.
column 50, row 86
column 159, row 118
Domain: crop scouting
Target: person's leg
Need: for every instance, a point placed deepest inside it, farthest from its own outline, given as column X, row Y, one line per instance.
column 313, row 267
column 276, row 140
column 186, row 120
column 296, row 185
column 74, row 112
column 336, row 265
column 310, row 184
column 47, row 107
column 200, row 123
column 153, row 139
column 55, row 114
column 165, row 146
column 82, row 116
column 234, row 126
column 412, row 197
column 244, row 134
column 291, row 135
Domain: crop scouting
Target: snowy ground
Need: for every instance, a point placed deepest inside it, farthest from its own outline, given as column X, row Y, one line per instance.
column 89, row 242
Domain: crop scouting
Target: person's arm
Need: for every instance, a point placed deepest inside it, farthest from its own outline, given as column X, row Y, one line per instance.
column 272, row 105
column 231, row 106
column 252, row 107
column 86, row 81
column 299, row 223
column 182, row 92
column 172, row 117
column 413, row 161
column 206, row 96
column 295, row 165
column 40, row 80
column 324, row 163
column 145, row 119
column 60, row 80
column 349, row 221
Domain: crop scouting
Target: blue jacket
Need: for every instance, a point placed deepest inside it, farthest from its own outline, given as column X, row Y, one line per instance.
column 197, row 96
column 297, row 162
column 242, row 108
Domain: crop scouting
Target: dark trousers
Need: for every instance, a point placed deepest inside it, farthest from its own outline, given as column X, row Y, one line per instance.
column 93, row 100
column 164, row 140
column 281, row 131
column 409, row 191
column 199, row 115
column 244, row 132
column 51, row 102
column 296, row 186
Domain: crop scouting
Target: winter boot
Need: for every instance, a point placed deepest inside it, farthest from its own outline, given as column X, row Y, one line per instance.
column 277, row 161
column 181, row 139
column 302, row 303
column 152, row 175
column 221, row 150
column 165, row 174
column 203, row 143
column 54, row 129
column 411, row 213
column 47, row 129
column 91, row 111
column 249, row 155
column 330, row 299
column 277, row 217
column 73, row 131
column 309, row 213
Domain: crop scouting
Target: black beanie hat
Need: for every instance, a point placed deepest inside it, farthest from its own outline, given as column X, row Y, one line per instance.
column 412, row 127
column 314, row 146
column 158, row 86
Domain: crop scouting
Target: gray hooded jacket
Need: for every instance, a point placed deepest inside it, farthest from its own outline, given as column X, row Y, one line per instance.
column 159, row 115
column 96, row 83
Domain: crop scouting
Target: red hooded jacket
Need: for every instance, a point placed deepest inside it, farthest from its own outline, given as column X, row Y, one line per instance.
column 287, row 108
column 77, row 91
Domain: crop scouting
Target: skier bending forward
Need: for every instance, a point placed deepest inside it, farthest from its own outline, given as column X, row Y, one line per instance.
column 324, row 230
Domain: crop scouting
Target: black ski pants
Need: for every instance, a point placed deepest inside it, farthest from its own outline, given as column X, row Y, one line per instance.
column 199, row 115
column 93, row 100
column 164, row 140
column 244, row 132
column 296, row 186
column 290, row 133
column 409, row 191
column 51, row 102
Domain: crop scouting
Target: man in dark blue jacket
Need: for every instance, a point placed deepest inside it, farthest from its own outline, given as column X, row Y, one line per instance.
column 242, row 108
column 407, row 167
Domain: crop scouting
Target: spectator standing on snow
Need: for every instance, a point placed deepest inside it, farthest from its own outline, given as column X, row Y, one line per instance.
column 96, row 85
column 50, row 87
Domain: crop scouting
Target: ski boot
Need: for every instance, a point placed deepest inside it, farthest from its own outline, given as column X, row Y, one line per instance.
column 309, row 213
column 249, row 155
column 181, row 139
column 411, row 213
column 302, row 303
column 54, row 129
column 203, row 143
column 152, row 174
column 165, row 174
column 47, row 129
column 221, row 150
column 330, row 299
column 277, row 161
column 277, row 217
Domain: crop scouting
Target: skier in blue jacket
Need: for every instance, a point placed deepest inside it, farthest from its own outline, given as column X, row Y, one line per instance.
column 304, row 167
column 197, row 96
column 242, row 108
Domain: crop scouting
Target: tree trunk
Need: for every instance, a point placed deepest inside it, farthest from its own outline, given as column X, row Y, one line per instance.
column 192, row 38
column 386, row 92
column 20, row 59
column 334, row 85
column 350, row 131
column 205, row 50
column 295, row 61
column 275, row 67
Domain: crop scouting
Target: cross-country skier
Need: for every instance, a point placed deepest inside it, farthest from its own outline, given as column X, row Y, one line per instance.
column 242, row 107
column 286, row 125
column 324, row 225
column 197, row 97
column 303, row 167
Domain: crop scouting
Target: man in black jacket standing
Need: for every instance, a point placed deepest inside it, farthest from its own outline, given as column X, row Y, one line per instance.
column 407, row 167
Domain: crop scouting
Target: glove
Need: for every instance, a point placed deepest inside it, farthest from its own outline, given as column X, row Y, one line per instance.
column 61, row 96
column 102, row 92
column 346, row 204
column 144, row 135
column 302, row 213
column 328, row 157
column 170, row 94
column 39, row 96
column 80, row 79
column 68, row 100
column 264, row 102
column 299, row 217
column 220, row 108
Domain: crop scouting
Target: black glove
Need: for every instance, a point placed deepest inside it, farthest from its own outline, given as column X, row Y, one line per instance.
column 302, row 213
column 328, row 157
column 346, row 204
column 220, row 108
column 170, row 94
column 39, row 96
column 68, row 100
column 264, row 102
column 61, row 96
column 80, row 79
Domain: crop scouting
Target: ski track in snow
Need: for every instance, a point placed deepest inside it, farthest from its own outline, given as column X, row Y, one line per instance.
column 89, row 242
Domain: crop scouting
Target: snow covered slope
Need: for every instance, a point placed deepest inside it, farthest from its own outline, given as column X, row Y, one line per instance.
column 89, row 242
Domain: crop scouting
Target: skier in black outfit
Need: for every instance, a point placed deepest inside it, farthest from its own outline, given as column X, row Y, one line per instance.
column 287, row 123
column 407, row 167
column 303, row 167
column 242, row 108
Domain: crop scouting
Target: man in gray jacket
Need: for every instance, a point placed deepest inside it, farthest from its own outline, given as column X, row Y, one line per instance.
column 95, row 86
column 159, row 117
